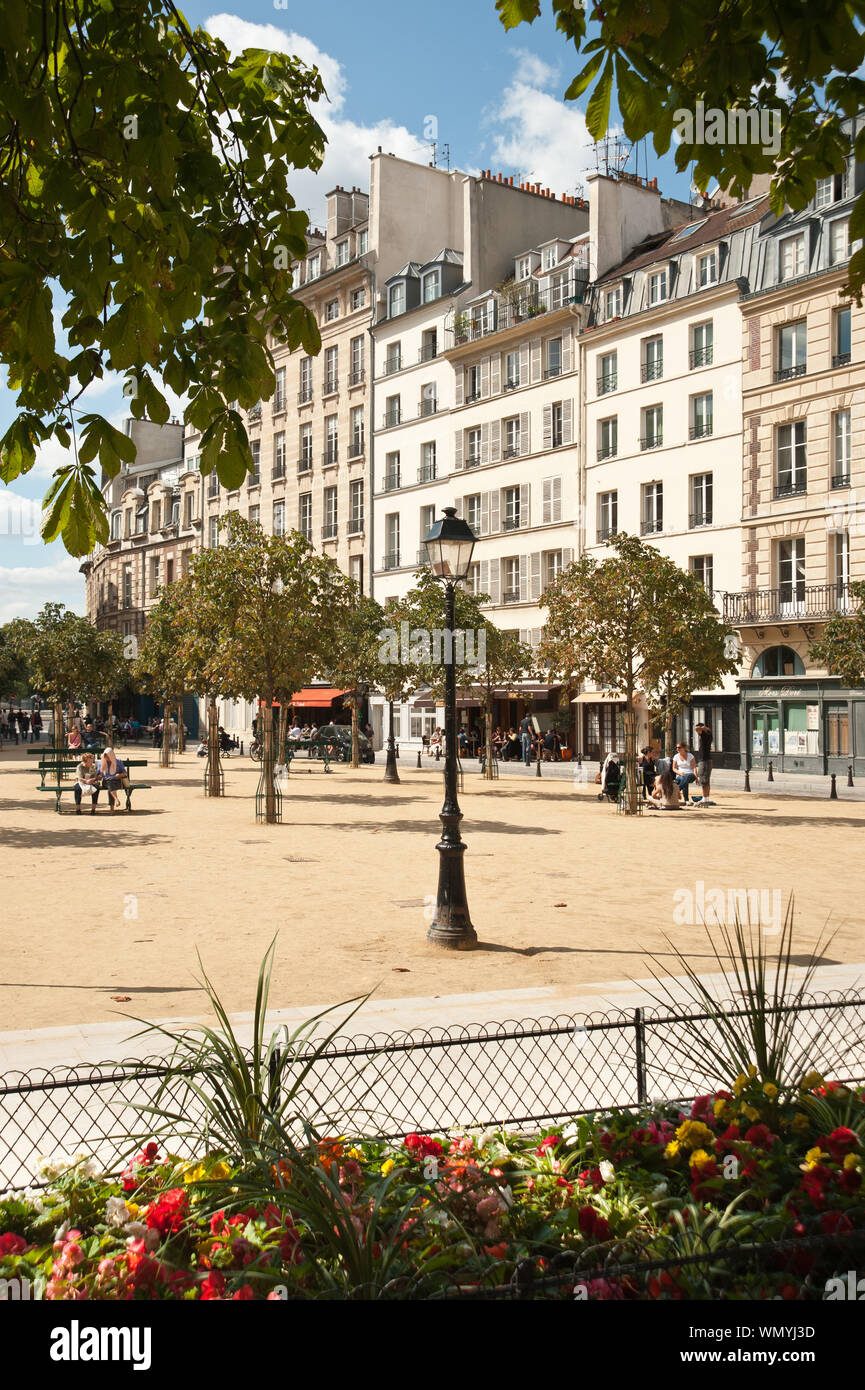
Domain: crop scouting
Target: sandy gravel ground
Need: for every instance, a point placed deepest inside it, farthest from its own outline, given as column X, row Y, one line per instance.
column 563, row 891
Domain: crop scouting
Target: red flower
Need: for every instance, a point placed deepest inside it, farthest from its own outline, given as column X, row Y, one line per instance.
column 549, row 1142
column 499, row 1251
column 840, row 1143
column 421, row 1146
column 850, row 1179
column 213, row 1286
column 760, row 1136
column 168, row 1215
column 10, row 1244
column 591, row 1224
column 243, row 1294
column 835, row 1223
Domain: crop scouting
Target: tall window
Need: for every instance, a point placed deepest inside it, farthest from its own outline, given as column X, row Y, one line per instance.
column 356, row 347
column 331, row 370
column 608, row 372
column 391, row 471
column 552, row 567
column 554, row 358
column 842, row 568
column 330, row 514
column 396, row 299
column 358, row 297
column 355, row 507
column 511, row 577
column 429, row 345
column 608, row 515
column 127, row 584
column 512, row 370
column 524, row 267
column 839, row 240
column 331, row 310
column 653, row 358
column 473, row 448
column 431, row 286
column 255, row 449
column 355, row 448
column 702, row 345
column 608, row 437
column 707, row 269
column 156, row 516
column 472, row 506
column 613, row 303
column 841, row 346
column 701, row 499
column 391, row 532
column 343, row 253
column 255, row 515
column 702, row 420
column 304, row 507
column 549, row 257
column 427, row 518
column 188, row 508
column 703, row 567
column 279, row 455
column 841, row 448
column 557, row 420
column 331, row 439
column 512, row 437
column 792, row 460
column 473, row 384
column 653, row 507
column 392, row 411
column 355, row 570
column 513, row 518
column 393, row 357
column 362, row 242
column 213, row 532
column 791, row 574
column 427, row 462
column 279, row 518
column 792, row 350
column 653, row 427
column 313, row 267
column 658, row 287
column 791, row 256
column 305, row 393
column 305, row 462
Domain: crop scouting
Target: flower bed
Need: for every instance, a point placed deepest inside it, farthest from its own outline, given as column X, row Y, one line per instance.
column 663, row 1193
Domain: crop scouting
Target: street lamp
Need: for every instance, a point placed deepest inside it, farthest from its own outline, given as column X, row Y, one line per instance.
column 450, row 544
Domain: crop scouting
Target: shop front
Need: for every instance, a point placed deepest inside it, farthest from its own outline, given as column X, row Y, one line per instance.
column 806, row 726
column 601, row 724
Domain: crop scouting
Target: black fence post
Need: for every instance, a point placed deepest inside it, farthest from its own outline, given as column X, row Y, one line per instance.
column 849, row 774
column 833, row 792
column 771, row 776
column 747, row 780
column 640, row 1056
column 418, row 758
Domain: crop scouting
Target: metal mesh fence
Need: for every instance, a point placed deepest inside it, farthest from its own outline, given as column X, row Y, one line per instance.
column 517, row 1073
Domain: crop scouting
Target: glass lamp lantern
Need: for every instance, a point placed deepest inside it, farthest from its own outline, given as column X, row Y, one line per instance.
column 450, row 545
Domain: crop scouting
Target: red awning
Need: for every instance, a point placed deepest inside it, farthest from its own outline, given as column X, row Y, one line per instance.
column 316, row 697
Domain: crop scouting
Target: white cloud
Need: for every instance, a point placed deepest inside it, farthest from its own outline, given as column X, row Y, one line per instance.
column 544, row 139
column 349, row 144
column 25, row 589
column 534, row 72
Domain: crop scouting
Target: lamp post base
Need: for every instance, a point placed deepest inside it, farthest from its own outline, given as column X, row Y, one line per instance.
column 451, row 927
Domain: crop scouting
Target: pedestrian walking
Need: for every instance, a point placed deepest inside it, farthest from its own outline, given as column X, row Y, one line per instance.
column 704, row 762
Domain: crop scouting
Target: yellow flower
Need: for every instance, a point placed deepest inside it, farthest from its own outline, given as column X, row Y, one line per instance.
column 693, row 1134
column 752, row 1072
column 354, row 1153
column 852, row 1161
column 810, row 1081
column 699, row 1159
column 813, row 1157
column 739, row 1084
column 719, row 1107
column 194, row 1174
column 672, row 1149
column 750, row 1113
column 387, row 1167
column 800, row 1121
column 770, row 1090
column 132, row 1208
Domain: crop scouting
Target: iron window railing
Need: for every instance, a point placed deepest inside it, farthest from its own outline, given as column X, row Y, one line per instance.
column 390, row 561
column 355, row 525
column 304, row 465
column 841, row 359
column 304, row 396
column 703, row 518
column 650, row 525
column 356, row 377
column 787, row 373
column 608, row 382
column 607, row 451
column 840, row 480
column 788, row 601
column 330, row 456
column 356, row 448
column 390, row 482
column 390, row 418
column 701, row 357
column 331, row 385
column 510, row 596
column 277, row 472
column 702, row 430
column 797, row 489
column 427, row 473
column 651, row 371
column 428, row 353
column 329, row 531
column 651, row 441
column 472, row 461
column 605, row 532
column 428, row 406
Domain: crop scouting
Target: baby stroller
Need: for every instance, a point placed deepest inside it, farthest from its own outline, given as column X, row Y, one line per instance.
column 610, row 789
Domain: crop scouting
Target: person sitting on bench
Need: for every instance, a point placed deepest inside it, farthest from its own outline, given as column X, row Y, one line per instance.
column 114, row 775
column 86, row 780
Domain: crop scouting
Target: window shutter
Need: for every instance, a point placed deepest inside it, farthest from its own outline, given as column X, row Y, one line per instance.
column 460, row 386
column 524, row 365
column 525, row 505
column 485, row 377
column 547, row 511
column 537, row 363
column 566, row 350
column 567, row 422
column 525, row 635
column 552, row 500
column 537, row 632
column 495, row 440
column 535, row 591
column 525, row 433
column 496, row 373
column 495, row 523
column 524, row 577
column 548, row 427
column 484, row 576
column 458, row 503
column 567, row 557
column 485, row 443
column 458, row 449
column 494, row 588
column 485, row 514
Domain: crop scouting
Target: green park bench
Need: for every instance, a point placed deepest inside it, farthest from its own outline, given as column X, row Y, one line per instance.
column 63, row 765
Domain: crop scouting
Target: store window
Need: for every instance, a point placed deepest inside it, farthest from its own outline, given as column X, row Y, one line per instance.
column 837, row 731
column 779, row 661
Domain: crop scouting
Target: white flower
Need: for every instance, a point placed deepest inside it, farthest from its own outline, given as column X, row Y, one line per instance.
column 658, row 1191
column 135, row 1230
column 89, row 1168
column 507, row 1196
column 606, row 1170
column 571, row 1135
column 116, row 1212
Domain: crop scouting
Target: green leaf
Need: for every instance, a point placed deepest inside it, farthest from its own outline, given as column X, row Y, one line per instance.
column 582, row 80
column 598, row 109
column 514, row 12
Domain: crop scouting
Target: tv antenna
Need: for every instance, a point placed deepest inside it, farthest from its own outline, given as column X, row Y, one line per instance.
column 445, row 149
column 612, row 155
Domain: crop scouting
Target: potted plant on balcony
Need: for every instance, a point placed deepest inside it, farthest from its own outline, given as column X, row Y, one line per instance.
column 462, row 324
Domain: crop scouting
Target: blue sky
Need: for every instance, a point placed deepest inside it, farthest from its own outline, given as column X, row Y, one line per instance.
column 388, row 66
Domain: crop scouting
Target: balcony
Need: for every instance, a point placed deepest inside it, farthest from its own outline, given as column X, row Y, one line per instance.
column 787, row 602
column 254, row 414
column 390, row 482
column 393, row 364
column 518, row 304
column 788, row 373
column 703, row 430
column 429, row 353
column 607, row 451
column 472, row 461
column 390, row 418
column 356, row 448
column 554, row 371
column 511, row 452
column 472, row 397
column 605, row 532
column 428, row 406
column 330, row 457
column 304, row 465
column 390, row 561
column 355, row 377
column 512, row 523
column 841, row 359
column 331, row 386
column 701, row 357
column 355, row 526
column 277, row 472
column 511, row 596
column 427, row 473
column 279, row 404
column 651, row 371
column 329, row 531
column 652, row 441
column 305, row 396
column 512, row 384
column 699, row 519
column 652, row 526
column 793, row 489
column 423, row 556
column 609, row 382
column 840, row 480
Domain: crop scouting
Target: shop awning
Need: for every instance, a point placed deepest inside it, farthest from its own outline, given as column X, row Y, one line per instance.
column 426, row 702
column 316, row 696
column 606, row 697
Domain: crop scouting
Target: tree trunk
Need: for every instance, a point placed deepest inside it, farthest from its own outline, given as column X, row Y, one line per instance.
column 488, row 731
column 58, row 725
column 390, row 772
column 214, row 769
column 632, row 794
column 355, row 741
column 268, row 764
column 282, row 735
column 165, row 750
column 668, row 731
column 181, row 736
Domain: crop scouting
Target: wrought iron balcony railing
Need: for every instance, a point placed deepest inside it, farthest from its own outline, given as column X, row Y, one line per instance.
column 787, row 602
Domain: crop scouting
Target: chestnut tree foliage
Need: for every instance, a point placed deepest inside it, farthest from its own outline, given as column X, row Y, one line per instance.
column 145, row 201
column 798, row 57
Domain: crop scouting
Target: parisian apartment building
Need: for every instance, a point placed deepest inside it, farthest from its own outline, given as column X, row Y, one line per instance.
column 559, row 370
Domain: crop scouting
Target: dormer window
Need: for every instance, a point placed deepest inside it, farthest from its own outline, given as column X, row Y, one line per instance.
column 549, row 257
column 431, row 286
column 313, row 267
column 839, row 240
column 524, row 267
column 707, row 268
column 830, row 190
column 613, row 304
column 362, row 242
column 658, row 286
column 396, row 299
column 342, row 252
column 791, row 257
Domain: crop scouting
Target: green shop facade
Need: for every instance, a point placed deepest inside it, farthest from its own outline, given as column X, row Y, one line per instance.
column 798, row 722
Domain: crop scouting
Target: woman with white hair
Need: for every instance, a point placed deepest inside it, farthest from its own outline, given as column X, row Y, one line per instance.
column 113, row 773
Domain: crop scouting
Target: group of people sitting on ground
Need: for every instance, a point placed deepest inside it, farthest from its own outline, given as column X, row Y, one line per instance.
column 665, row 782
column 20, row 725
column 91, row 776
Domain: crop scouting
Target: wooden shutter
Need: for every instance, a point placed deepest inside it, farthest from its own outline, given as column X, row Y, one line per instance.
column 567, row 557
column 552, row 510
column 537, row 633
column 525, row 505
column 537, row 360
column 496, row 373
column 458, row 503
column 524, row 577
column 535, row 590
column 495, row 440
column 494, row 503
column 567, row 422
column 524, row 365
column 548, row 427
column 485, row 443
column 458, row 449
column 494, row 586
column 460, row 386
column 485, row 377
column 525, row 433
column 485, row 514
column 566, row 350
column 484, row 576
